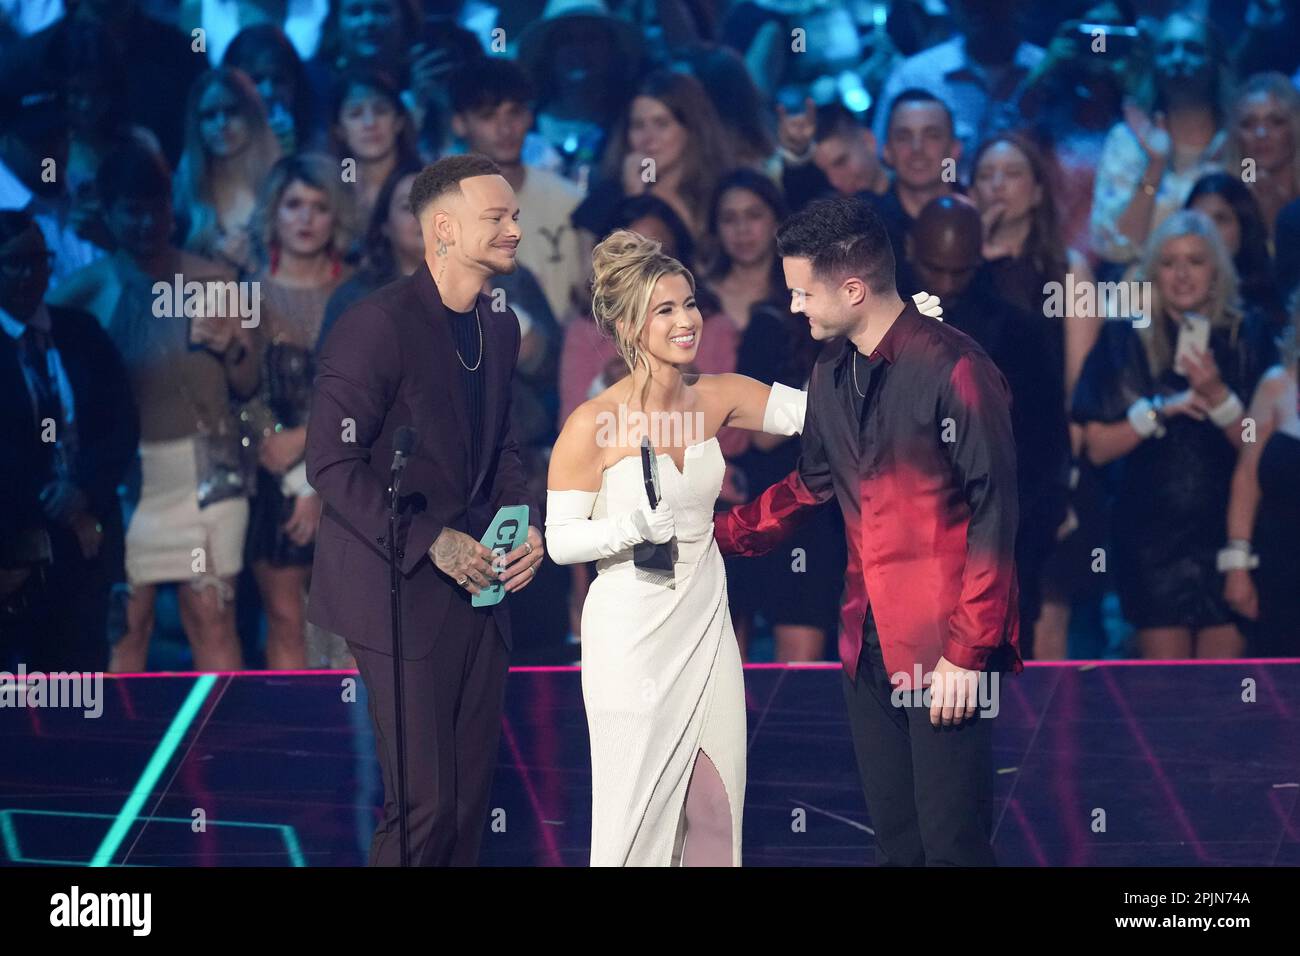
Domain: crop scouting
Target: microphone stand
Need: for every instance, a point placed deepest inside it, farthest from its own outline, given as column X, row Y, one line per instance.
column 395, row 593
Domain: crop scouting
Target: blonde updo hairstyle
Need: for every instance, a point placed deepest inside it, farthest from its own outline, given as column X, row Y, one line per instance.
column 627, row 266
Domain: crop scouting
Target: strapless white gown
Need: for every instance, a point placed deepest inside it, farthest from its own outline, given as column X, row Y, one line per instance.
column 661, row 673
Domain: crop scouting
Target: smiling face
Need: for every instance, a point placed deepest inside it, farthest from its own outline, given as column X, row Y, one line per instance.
column 746, row 227
column 369, row 125
column 654, row 131
column 1264, row 131
column 223, row 128
column 828, row 306
column 1005, row 178
column 304, row 220
column 920, row 139
column 673, row 324
column 1185, row 274
column 480, row 224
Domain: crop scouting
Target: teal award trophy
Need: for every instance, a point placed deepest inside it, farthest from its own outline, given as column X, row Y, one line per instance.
column 508, row 530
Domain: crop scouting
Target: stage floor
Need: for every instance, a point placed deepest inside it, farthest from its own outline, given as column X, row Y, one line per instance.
column 1108, row 764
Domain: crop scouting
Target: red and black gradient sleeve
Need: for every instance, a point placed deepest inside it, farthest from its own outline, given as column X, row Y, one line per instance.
column 983, row 456
column 758, row 526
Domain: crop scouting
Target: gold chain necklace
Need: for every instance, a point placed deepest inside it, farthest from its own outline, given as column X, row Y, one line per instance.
column 480, row 344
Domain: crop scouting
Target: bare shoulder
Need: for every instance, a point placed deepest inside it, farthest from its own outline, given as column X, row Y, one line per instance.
column 721, row 388
column 580, row 428
column 1274, row 384
column 577, row 458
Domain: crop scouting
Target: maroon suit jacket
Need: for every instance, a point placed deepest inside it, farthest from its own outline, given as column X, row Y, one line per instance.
column 389, row 362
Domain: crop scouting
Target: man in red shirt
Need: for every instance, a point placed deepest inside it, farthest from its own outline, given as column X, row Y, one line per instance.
column 908, row 427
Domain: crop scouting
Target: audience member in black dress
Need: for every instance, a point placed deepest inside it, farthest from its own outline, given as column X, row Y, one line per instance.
column 68, row 431
column 1033, row 270
column 1265, row 509
column 943, row 248
column 1233, row 210
column 1177, row 424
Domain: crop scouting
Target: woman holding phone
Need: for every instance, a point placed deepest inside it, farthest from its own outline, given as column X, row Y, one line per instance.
column 1164, row 390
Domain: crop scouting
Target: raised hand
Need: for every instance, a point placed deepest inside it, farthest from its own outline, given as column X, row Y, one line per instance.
column 1151, row 132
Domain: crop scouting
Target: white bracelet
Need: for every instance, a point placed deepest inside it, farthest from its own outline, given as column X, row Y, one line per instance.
column 294, row 484
column 1227, row 411
column 1237, row 556
column 1142, row 416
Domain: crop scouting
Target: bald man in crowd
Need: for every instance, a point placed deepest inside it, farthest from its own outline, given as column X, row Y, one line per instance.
column 943, row 251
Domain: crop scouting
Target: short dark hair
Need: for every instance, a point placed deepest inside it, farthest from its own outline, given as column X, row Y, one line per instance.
column 487, row 83
column 843, row 237
column 835, row 119
column 445, row 176
column 133, row 171
column 916, row 94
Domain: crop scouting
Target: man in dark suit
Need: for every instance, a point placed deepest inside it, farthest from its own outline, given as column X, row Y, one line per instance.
column 68, row 431
column 427, row 352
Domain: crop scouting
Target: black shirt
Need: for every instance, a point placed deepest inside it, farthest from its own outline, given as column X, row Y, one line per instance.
column 469, row 347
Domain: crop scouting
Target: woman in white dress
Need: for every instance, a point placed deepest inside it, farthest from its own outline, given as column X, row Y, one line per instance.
column 661, row 673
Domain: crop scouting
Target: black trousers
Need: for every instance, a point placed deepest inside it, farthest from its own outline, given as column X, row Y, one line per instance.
column 929, row 790
column 452, row 699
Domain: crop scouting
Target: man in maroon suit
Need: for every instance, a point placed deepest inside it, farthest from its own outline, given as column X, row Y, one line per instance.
column 908, row 426
column 430, row 353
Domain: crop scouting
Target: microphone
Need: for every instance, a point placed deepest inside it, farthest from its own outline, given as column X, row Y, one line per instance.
column 648, row 556
column 403, row 445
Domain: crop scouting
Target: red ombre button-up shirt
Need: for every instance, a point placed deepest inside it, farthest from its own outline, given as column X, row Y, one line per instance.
column 924, row 468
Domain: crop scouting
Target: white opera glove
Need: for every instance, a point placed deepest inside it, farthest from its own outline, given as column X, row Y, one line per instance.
column 928, row 305
column 573, row 536
column 785, row 410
